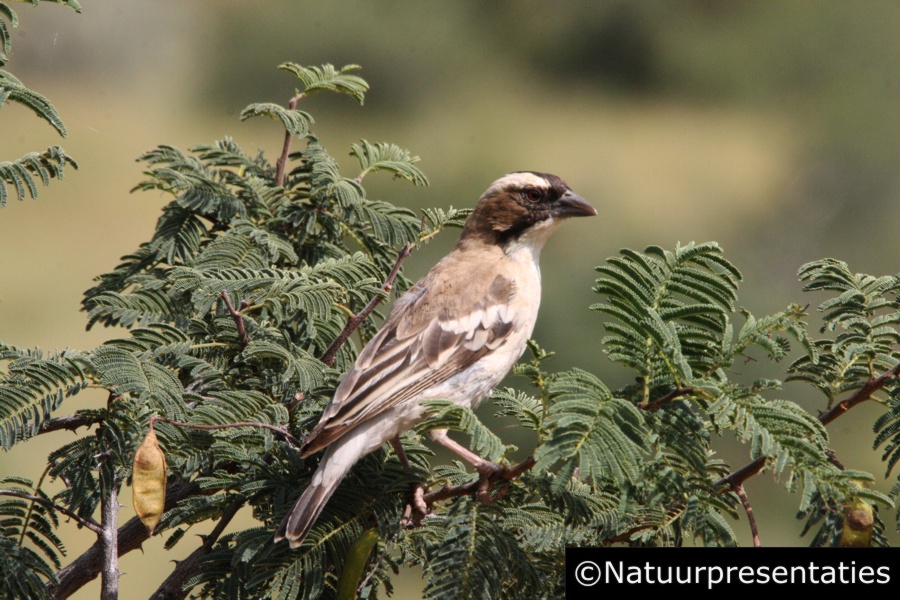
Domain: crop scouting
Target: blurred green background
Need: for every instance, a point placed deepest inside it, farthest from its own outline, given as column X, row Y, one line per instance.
column 770, row 127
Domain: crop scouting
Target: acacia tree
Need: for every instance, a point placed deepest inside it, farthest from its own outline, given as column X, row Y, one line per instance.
column 260, row 283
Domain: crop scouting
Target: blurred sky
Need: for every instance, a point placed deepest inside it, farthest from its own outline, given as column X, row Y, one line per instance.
column 770, row 127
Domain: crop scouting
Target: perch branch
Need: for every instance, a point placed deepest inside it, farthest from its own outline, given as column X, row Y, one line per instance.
column 478, row 487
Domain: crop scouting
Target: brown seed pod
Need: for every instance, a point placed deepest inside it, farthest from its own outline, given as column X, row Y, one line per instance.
column 148, row 481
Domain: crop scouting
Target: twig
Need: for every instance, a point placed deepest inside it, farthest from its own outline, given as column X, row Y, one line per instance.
column 354, row 322
column 109, row 518
column 70, row 422
column 130, row 536
column 624, row 537
column 834, row 460
column 171, row 588
column 666, row 398
column 88, row 523
column 743, row 474
column 286, row 147
column 861, row 395
column 238, row 318
column 279, row 430
column 751, row 519
column 473, row 487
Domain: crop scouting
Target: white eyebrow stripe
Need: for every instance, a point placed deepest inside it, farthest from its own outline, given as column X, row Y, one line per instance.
column 518, row 181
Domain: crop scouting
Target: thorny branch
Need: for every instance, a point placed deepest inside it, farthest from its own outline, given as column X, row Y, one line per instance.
column 279, row 430
column 356, row 320
column 88, row 523
column 109, row 519
column 751, row 518
column 171, row 588
column 861, row 395
column 238, row 318
column 70, row 422
column 666, row 398
column 413, row 515
column 281, row 164
column 130, row 536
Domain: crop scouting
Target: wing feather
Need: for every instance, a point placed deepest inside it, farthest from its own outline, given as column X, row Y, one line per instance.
column 429, row 336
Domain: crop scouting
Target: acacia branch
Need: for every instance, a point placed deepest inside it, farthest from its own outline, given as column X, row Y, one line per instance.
column 861, row 395
column 129, row 536
column 751, row 519
column 109, row 518
column 477, row 486
column 70, row 422
column 238, row 318
column 88, row 523
column 279, row 430
column 666, row 398
column 281, row 163
column 356, row 320
column 172, row 587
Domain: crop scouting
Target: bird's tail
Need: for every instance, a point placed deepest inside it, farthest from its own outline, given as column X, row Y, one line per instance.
column 309, row 506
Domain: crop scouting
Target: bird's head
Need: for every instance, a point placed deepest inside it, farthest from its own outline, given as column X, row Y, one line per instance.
column 524, row 203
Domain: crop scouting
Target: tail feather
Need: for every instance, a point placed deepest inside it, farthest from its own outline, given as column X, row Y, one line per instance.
column 337, row 461
column 302, row 517
column 309, row 506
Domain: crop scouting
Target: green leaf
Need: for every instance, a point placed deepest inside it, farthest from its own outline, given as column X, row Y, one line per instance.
column 296, row 122
column 387, row 157
column 326, row 78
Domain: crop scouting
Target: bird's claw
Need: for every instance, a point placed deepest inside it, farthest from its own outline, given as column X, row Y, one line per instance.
column 416, row 511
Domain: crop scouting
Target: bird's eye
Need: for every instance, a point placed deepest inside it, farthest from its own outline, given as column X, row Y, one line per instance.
column 533, row 195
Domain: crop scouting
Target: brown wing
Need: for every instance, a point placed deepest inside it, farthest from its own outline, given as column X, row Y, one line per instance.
column 434, row 331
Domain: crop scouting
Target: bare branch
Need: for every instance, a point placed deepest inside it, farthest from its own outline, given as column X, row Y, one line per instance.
column 751, row 519
column 666, row 398
column 355, row 321
column 281, row 163
column 109, row 518
column 88, row 523
column 861, row 395
column 70, row 422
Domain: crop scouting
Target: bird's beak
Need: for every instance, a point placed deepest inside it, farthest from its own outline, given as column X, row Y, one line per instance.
column 573, row 205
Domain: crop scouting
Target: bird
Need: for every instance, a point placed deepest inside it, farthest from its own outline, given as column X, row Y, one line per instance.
column 452, row 336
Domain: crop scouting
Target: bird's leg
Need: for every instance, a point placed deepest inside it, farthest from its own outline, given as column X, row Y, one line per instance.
column 418, row 508
column 485, row 468
column 401, row 453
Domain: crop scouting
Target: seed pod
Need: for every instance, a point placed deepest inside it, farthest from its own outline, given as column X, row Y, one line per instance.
column 355, row 563
column 859, row 523
column 148, row 481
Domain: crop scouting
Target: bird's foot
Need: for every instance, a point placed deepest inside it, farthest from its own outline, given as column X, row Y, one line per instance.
column 489, row 474
column 416, row 511
column 491, row 471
